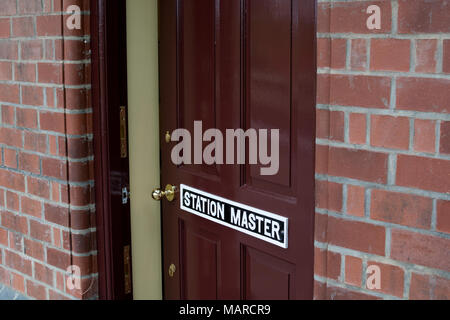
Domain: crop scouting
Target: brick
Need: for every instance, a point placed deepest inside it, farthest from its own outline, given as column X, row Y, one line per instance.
column 54, row 168
column 23, row 27
column 29, row 162
column 392, row 279
column 3, row 237
column 77, row 99
column 446, row 56
column 10, row 158
column 78, row 148
column 404, row 209
column 31, row 207
column 420, row 94
column 57, row 238
column 26, row 118
column 321, row 226
column 445, row 138
column 50, row 93
column 81, row 195
column 12, row 201
column 358, row 128
column 356, row 164
column 31, row 49
column 423, row 173
column 75, row 50
column 8, row 50
column 80, row 220
column 322, row 124
column 426, row 56
column 353, row 271
column 338, row 53
column 443, row 216
column 32, row 96
column 38, row 187
column 337, row 125
column 5, row 71
column 76, row 74
column 323, row 52
column 11, row 137
column 8, row 7
column 320, row 290
column 358, row 58
column 424, row 250
column 43, row 274
column 49, row 25
column 58, row 259
column 40, row 231
column 17, row 262
column 34, row 249
column 30, row 6
column 429, row 287
column 56, row 215
column 12, row 180
column 25, row 72
column 351, row 17
column 4, row 276
column 425, row 136
column 355, row 235
column 35, row 142
column 363, row 91
column 327, row 264
column 82, row 243
column 50, row 73
column 389, row 132
column 323, row 88
column 356, row 201
column 18, row 282
column 329, row 195
column 52, row 121
column 8, row 115
column 5, row 29
column 53, row 145
column 15, row 242
column 36, row 290
column 9, row 93
column 390, row 55
column 77, row 124
column 80, row 171
column 434, row 21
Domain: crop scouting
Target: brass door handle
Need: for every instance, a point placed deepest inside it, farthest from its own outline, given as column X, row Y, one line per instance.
column 169, row 193
column 172, row 270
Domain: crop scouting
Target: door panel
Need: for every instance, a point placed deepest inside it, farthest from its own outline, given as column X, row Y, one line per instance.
column 279, row 276
column 239, row 64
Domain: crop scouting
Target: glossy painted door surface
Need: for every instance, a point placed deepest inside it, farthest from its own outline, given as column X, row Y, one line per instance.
column 239, row 64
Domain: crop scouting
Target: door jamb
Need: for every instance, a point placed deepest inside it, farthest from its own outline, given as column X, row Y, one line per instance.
column 110, row 258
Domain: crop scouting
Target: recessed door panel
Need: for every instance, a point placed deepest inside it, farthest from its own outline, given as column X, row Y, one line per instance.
column 268, row 53
column 201, row 253
column 266, row 277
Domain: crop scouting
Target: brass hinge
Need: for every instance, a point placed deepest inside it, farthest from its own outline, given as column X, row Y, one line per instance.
column 123, row 133
column 127, row 268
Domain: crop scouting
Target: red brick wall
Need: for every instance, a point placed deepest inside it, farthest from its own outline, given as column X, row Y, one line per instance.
column 46, row 208
column 383, row 150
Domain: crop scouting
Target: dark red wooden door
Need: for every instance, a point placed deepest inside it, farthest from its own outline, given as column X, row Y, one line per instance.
column 239, row 64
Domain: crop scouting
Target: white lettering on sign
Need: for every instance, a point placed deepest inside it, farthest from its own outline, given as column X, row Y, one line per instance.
column 254, row 222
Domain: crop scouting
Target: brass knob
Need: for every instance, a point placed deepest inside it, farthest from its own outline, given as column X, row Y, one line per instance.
column 172, row 270
column 169, row 193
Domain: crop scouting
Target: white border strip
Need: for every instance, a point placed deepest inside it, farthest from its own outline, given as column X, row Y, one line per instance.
column 238, row 205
